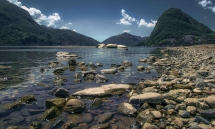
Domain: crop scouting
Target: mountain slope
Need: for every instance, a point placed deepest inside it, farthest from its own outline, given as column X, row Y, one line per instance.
column 124, row 39
column 177, row 28
column 17, row 27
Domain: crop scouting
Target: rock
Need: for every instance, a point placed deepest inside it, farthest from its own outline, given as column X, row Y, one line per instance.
column 177, row 123
column 59, row 80
column 72, row 62
column 13, row 127
column 126, row 63
column 96, row 103
column 53, row 64
column 184, row 113
column 142, row 60
column 210, row 100
column 49, row 114
column 127, row 109
column 100, row 78
column 148, row 89
column 180, row 107
column 100, row 126
column 28, row 99
column 182, row 86
column 35, row 125
column 156, row 114
column 111, row 45
column 65, row 54
column 200, row 119
column 56, row 102
column 150, row 97
column 210, row 113
column 176, row 94
column 105, row 117
column 87, row 118
column 83, row 68
column 74, row 106
column 58, row 71
column 105, row 90
column 150, row 83
column 192, row 102
column 203, row 105
column 135, row 125
column 144, row 117
column 149, row 126
column 170, row 106
column 151, row 59
column 109, row 71
column 77, row 80
column 60, row 92
column 13, row 105
column 77, row 75
column 140, row 68
column 101, row 45
column 89, row 78
column 191, row 110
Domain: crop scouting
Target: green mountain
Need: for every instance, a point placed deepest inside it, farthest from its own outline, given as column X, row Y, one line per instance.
column 18, row 28
column 176, row 28
column 124, row 39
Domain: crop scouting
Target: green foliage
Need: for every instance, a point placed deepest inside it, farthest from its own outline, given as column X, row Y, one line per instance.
column 17, row 28
column 174, row 24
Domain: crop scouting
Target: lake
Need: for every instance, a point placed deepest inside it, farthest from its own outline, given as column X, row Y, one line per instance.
column 20, row 74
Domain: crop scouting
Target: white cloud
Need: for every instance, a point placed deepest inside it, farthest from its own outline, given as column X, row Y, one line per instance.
column 53, row 20
column 64, row 27
column 74, row 30
column 126, row 20
column 204, row 3
column 70, row 23
column 126, row 31
column 213, row 9
column 142, row 22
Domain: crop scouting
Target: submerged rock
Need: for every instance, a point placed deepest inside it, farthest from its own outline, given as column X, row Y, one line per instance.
column 49, row 114
column 58, row 71
column 60, row 92
column 57, row 102
column 74, row 106
column 96, row 103
column 105, row 117
column 100, row 78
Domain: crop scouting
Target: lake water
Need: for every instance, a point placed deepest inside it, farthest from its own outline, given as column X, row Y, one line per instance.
column 20, row 74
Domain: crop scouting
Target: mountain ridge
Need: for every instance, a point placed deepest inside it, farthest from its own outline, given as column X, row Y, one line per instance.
column 124, row 39
column 175, row 28
column 18, row 28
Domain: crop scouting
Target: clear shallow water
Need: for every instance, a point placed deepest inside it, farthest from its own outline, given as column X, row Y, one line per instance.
column 24, row 73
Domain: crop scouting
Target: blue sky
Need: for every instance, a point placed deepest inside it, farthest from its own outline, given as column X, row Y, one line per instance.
column 101, row 19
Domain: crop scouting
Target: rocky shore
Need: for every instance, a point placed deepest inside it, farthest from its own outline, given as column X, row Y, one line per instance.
column 181, row 97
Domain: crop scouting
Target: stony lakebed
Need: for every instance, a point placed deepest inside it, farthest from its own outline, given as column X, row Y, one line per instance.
column 173, row 90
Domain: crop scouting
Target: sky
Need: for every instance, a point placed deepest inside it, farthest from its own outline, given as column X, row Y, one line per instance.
column 101, row 19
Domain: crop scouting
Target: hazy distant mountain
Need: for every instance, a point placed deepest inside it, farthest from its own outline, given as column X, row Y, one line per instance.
column 17, row 27
column 175, row 28
column 124, row 39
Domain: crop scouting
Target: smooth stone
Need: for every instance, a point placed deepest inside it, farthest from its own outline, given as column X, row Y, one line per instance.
column 12, row 127
column 144, row 117
column 109, row 71
column 177, row 123
column 74, row 106
column 105, row 117
column 191, row 109
column 140, row 68
column 105, row 90
column 126, row 109
column 150, row 97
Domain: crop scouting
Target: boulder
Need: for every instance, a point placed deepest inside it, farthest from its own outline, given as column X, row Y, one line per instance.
column 74, row 106
column 105, row 90
column 109, row 71
column 150, row 83
column 58, row 71
column 150, row 97
column 127, row 109
column 144, row 117
column 96, row 103
column 72, row 62
column 126, row 63
column 28, row 99
column 49, row 114
column 210, row 113
column 140, row 68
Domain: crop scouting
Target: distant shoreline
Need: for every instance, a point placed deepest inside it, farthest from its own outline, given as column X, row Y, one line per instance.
column 43, row 46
